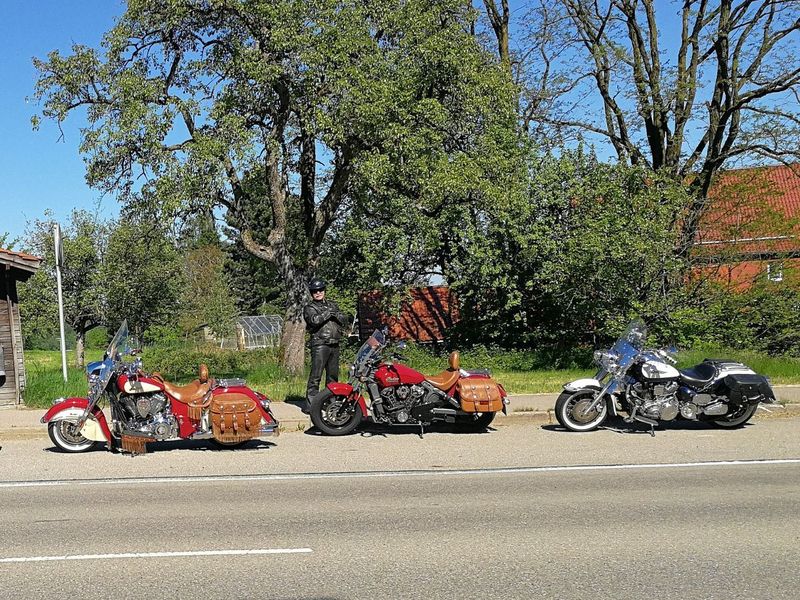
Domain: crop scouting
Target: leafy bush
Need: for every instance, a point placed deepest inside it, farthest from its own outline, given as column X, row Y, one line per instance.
column 180, row 363
column 764, row 318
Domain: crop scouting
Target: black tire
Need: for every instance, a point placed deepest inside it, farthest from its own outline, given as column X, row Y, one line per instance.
column 330, row 415
column 62, row 433
column 476, row 423
column 569, row 404
column 738, row 417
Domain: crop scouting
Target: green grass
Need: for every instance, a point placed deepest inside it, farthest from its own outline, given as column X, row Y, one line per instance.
column 45, row 382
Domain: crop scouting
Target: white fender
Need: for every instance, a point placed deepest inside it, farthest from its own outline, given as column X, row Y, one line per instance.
column 90, row 430
column 582, row 384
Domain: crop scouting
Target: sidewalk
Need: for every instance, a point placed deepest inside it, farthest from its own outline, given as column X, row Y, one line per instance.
column 534, row 408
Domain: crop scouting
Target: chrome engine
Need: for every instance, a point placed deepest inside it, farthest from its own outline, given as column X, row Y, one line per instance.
column 655, row 401
column 149, row 416
column 399, row 400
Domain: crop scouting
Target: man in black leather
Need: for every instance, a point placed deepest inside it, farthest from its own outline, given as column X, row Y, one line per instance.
column 324, row 322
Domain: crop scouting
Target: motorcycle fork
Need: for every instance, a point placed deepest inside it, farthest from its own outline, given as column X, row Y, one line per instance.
column 597, row 399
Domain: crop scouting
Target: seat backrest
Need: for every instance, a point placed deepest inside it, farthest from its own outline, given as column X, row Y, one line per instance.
column 455, row 361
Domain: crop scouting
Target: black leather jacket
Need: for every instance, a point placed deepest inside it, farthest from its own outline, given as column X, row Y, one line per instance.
column 325, row 322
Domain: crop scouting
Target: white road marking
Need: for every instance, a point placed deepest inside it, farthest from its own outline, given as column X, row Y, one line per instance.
column 27, row 559
column 385, row 474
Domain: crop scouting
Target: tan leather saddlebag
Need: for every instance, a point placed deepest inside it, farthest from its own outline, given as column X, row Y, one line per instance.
column 234, row 418
column 479, row 394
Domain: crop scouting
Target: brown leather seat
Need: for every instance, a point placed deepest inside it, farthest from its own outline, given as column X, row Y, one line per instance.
column 447, row 379
column 192, row 392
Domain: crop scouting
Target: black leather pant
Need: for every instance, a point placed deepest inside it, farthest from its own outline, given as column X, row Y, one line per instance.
column 322, row 357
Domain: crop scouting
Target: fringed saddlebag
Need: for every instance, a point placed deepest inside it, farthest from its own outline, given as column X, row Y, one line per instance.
column 234, row 418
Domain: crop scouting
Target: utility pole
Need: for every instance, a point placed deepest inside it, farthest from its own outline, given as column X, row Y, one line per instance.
column 59, row 251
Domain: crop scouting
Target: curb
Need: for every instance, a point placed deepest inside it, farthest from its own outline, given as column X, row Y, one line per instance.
column 534, row 417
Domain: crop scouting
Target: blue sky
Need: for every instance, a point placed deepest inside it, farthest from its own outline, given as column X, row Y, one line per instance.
column 36, row 170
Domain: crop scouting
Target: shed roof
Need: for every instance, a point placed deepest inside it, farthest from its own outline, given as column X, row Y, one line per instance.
column 20, row 260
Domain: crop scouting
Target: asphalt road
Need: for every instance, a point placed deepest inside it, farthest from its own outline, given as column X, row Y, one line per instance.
column 692, row 532
column 520, row 445
column 506, row 514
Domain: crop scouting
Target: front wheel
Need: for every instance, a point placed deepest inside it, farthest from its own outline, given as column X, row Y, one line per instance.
column 571, row 410
column 335, row 415
column 738, row 417
column 475, row 423
column 67, row 438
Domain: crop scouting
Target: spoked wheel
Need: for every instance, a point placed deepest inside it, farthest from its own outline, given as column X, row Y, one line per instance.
column 65, row 435
column 335, row 415
column 476, row 423
column 571, row 410
column 738, row 417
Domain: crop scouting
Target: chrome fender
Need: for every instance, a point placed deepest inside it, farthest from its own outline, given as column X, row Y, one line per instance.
column 582, row 384
column 594, row 384
column 91, row 429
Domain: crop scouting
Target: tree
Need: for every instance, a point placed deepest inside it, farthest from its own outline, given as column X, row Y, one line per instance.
column 726, row 90
column 207, row 299
column 142, row 276
column 238, row 102
column 587, row 246
column 84, row 239
column 7, row 242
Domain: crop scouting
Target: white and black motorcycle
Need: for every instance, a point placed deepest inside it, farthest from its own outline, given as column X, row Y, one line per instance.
column 647, row 386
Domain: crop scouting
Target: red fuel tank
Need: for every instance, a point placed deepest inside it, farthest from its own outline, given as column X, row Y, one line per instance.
column 397, row 374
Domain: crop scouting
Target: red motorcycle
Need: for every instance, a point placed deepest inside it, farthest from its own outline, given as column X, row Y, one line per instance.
column 146, row 408
column 399, row 394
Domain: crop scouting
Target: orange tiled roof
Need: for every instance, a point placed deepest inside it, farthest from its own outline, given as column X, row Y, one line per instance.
column 754, row 210
column 21, row 260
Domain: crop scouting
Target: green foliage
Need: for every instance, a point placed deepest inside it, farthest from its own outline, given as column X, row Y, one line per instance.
column 586, row 247
column 98, row 339
column 763, row 318
column 206, row 299
column 141, row 276
column 182, row 363
column 163, row 335
column 289, row 115
column 84, row 240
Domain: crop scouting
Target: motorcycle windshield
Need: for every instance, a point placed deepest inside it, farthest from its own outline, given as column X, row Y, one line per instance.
column 119, row 343
column 368, row 350
column 114, row 352
column 630, row 343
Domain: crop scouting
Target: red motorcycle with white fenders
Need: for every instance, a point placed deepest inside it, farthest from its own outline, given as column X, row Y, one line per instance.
column 146, row 408
column 398, row 394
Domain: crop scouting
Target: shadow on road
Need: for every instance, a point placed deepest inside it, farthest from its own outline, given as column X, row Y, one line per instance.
column 370, row 429
column 618, row 425
column 195, row 445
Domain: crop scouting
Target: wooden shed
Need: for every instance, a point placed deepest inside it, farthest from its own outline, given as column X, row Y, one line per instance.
column 14, row 266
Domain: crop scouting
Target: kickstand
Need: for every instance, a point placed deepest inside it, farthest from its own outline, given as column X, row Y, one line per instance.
column 421, row 431
column 652, row 430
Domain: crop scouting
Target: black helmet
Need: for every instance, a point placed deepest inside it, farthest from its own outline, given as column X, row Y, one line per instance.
column 316, row 284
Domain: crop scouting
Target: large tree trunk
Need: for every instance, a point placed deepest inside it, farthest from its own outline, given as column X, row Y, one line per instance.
column 294, row 326
column 293, row 342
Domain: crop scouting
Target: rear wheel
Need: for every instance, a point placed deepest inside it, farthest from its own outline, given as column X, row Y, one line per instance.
column 571, row 410
column 738, row 417
column 335, row 415
column 475, row 423
column 65, row 435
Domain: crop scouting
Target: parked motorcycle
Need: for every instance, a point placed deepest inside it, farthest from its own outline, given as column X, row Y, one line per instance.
column 145, row 408
column 398, row 394
column 645, row 384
